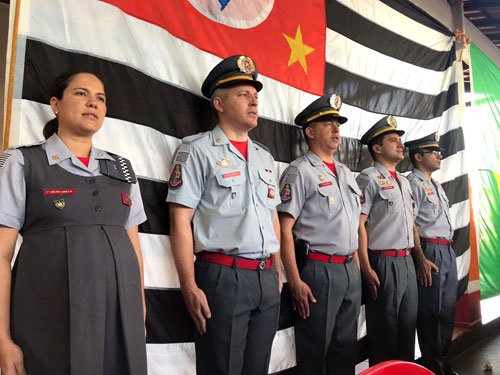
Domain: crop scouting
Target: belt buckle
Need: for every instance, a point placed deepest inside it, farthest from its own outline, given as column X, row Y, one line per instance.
column 349, row 258
column 407, row 252
column 262, row 264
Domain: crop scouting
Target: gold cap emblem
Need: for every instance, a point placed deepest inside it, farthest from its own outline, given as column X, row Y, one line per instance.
column 436, row 136
column 246, row 65
column 335, row 102
column 391, row 120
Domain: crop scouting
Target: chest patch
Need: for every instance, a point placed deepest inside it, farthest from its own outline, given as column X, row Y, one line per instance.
column 328, row 183
column 126, row 200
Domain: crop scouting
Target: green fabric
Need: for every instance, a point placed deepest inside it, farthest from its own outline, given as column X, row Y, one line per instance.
column 486, row 83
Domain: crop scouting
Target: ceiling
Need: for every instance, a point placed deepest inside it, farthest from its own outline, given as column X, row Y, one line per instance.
column 485, row 15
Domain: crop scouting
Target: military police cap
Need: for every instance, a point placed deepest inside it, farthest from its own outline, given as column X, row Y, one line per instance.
column 234, row 70
column 430, row 141
column 387, row 124
column 325, row 107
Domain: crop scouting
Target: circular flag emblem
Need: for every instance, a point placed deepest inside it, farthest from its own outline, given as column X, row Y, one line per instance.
column 234, row 13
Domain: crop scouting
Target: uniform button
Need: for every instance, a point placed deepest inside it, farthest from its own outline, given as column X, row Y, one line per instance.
column 98, row 208
column 256, row 205
column 95, row 193
column 91, row 181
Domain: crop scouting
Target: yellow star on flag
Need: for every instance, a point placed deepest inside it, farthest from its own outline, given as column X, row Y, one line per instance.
column 298, row 50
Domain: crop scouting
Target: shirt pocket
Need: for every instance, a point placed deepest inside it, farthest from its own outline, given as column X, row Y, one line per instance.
column 327, row 198
column 267, row 189
column 356, row 193
column 230, row 188
column 432, row 202
column 389, row 199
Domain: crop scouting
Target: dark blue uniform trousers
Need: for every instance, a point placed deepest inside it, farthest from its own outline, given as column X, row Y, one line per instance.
column 326, row 341
column 392, row 318
column 436, row 306
column 245, row 311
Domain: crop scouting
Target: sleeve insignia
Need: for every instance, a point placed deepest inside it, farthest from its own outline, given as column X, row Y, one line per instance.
column 176, row 177
column 286, row 193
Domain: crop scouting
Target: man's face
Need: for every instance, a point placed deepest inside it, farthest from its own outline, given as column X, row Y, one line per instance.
column 239, row 107
column 325, row 134
column 431, row 160
column 392, row 148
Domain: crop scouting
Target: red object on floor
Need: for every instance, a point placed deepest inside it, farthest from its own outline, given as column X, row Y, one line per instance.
column 397, row 368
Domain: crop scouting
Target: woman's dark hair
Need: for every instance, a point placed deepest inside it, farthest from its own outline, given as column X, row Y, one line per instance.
column 59, row 84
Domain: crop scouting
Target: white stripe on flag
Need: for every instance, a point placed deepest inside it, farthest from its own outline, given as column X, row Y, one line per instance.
column 463, row 264
column 377, row 67
column 383, row 15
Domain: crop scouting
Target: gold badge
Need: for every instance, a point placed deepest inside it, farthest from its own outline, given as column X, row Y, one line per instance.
column 224, row 162
column 391, row 120
column 233, row 195
column 335, row 102
column 315, row 162
column 436, row 136
column 55, row 157
column 332, row 200
column 246, row 65
column 59, row 204
column 321, row 178
column 218, row 140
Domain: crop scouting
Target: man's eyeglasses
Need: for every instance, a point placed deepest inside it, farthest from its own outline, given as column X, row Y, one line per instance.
column 433, row 152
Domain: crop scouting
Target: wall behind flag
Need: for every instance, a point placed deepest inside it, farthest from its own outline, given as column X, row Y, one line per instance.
column 380, row 58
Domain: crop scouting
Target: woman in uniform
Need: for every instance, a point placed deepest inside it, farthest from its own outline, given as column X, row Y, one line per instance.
column 74, row 301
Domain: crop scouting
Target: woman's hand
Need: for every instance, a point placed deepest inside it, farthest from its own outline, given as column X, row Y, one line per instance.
column 11, row 358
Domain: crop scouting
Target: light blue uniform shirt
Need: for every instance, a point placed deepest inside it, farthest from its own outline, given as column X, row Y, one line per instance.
column 432, row 206
column 234, row 200
column 326, row 207
column 13, row 187
column 390, row 209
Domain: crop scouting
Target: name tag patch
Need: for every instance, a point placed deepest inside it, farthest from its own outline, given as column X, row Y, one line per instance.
column 232, row 174
column 326, row 184
column 59, row 191
column 387, row 187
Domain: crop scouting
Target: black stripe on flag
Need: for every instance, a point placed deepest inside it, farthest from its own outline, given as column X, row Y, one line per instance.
column 415, row 13
column 138, row 98
column 457, row 190
column 357, row 28
column 154, row 196
column 167, row 305
column 452, row 142
column 381, row 98
column 461, row 240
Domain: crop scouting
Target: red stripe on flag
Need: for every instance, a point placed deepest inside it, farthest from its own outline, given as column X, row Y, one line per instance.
column 289, row 45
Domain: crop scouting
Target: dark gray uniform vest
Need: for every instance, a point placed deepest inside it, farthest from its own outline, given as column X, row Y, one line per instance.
column 76, row 291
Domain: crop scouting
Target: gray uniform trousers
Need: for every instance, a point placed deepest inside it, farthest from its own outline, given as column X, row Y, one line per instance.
column 326, row 341
column 392, row 318
column 436, row 306
column 245, row 311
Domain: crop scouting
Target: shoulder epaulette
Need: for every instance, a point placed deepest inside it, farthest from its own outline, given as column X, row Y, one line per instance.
column 120, row 168
column 191, row 138
column 261, row 145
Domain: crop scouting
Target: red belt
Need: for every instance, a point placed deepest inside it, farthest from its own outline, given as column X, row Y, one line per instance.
column 438, row 241
column 234, row 261
column 329, row 258
column 393, row 253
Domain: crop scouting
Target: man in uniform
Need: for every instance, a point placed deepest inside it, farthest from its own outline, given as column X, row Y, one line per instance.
column 386, row 237
column 436, row 297
column 226, row 184
column 320, row 210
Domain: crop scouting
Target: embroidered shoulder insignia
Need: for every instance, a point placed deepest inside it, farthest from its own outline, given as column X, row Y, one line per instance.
column 286, row 193
column 176, row 177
